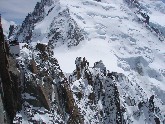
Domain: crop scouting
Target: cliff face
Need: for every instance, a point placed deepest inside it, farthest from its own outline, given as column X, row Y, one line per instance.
column 10, row 83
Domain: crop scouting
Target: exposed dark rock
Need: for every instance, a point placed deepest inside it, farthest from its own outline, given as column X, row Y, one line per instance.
column 10, row 82
column 79, row 95
column 91, row 97
column 130, row 101
column 33, row 67
column 98, row 0
column 101, row 66
column 11, row 30
column 151, row 104
column 88, row 75
column 37, row 91
column 157, row 121
column 141, row 104
column 41, row 47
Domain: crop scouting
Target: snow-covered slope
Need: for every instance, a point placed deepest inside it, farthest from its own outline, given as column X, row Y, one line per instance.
column 110, row 31
column 116, row 26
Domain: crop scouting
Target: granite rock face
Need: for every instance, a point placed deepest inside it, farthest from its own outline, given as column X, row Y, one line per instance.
column 10, row 83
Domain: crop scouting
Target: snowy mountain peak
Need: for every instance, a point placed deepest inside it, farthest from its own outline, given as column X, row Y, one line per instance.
column 92, row 61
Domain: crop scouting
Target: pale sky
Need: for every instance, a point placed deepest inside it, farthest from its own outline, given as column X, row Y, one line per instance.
column 16, row 10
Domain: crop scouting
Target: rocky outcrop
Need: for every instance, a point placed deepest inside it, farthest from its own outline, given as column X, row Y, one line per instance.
column 70, row 105
column 33, row 67
column 102, row 90
column 24, row 32
column 37, row 91
column 106, row 94
column 65, row 30
column 13, row 29
column 41, row 47
column 45, row 85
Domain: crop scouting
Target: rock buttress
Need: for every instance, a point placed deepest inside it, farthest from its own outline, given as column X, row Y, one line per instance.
column 10, row 82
